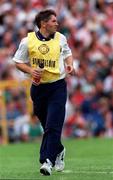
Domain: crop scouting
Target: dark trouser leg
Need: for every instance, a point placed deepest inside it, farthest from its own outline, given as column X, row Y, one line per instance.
column 41, row 113
column 49, row 105
column 39, row 104
column 51, row 143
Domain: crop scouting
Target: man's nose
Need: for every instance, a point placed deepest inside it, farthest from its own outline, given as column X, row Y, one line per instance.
column 56, row 24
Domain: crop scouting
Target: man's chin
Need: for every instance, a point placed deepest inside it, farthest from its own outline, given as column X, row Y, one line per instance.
column 53, row 32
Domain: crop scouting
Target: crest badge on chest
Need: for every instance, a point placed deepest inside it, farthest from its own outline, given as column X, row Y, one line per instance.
column 44, row 49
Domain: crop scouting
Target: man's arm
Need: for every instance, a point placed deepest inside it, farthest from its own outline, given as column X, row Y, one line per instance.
column 69, row 65
column 24, row 67
column 67, row 56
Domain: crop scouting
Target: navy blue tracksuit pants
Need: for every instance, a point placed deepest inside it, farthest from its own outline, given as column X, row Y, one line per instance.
column 49, row 106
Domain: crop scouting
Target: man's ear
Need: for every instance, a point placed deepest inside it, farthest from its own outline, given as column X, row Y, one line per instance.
column 43, row 24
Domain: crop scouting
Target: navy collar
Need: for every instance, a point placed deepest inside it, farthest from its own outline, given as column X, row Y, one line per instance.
column 42, row 38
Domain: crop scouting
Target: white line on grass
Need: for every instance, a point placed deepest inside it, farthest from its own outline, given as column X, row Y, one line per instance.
column 20, row 178
column 88, row 172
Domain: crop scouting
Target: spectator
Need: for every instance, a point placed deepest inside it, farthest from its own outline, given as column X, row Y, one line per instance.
column 88, row 26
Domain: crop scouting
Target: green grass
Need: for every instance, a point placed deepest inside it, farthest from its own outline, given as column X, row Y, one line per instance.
column 90, row 159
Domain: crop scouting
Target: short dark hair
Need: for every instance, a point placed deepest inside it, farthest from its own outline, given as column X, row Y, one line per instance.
column 44, row 16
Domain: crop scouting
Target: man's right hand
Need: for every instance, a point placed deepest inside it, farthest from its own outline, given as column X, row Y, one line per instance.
column 36, row 75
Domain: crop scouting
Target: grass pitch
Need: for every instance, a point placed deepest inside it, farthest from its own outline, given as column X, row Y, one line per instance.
column 88, row 159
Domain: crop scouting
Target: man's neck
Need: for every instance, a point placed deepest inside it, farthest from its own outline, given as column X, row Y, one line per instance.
column 44, row 37
column 44, row 33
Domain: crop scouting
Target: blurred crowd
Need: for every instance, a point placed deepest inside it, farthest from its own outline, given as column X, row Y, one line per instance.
column 88, row 26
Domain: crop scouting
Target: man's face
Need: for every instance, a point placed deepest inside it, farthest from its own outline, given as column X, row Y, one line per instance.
column 51, row 25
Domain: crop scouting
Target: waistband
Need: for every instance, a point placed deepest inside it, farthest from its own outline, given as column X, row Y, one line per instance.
column 60, row 81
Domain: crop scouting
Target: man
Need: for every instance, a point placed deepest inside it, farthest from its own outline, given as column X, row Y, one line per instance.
column 49, row 48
